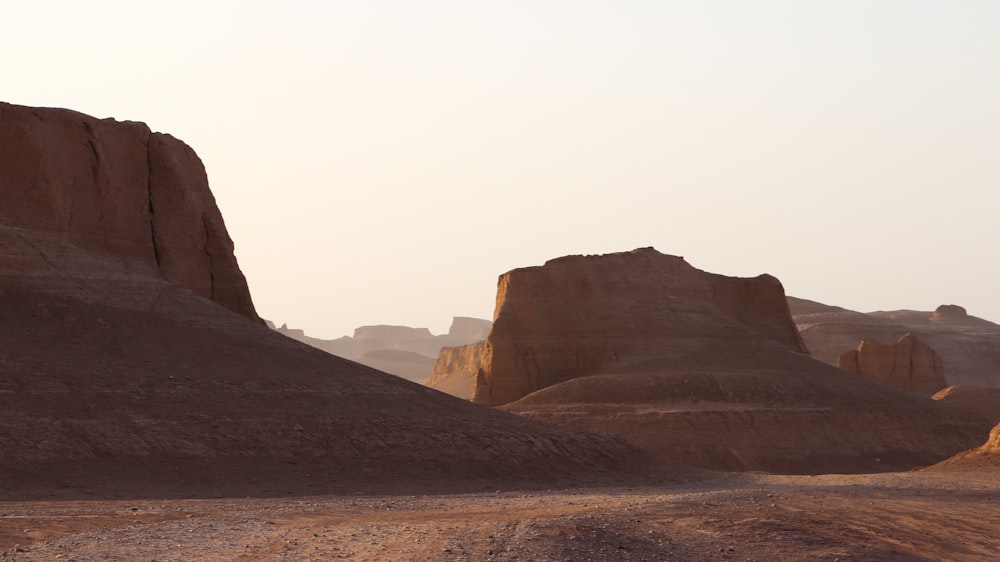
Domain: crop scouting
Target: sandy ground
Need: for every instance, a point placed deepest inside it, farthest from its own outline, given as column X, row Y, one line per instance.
column 952, row 515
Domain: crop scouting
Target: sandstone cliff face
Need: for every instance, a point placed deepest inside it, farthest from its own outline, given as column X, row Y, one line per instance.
column 456, row 369
column 579, row 315
column 909, row 364
column 139, row 199
column 969, row 346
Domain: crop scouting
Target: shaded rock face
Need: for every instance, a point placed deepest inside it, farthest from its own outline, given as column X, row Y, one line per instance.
column 580, row 315
column 969, row 346
column 139, row 198
column 909, row 364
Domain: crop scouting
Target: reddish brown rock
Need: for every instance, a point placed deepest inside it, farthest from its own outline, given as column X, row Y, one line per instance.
column 456, row 369
column 138, row 198
column 969, row 346
column 909, row 364
column 580, row 315
column 698, row 369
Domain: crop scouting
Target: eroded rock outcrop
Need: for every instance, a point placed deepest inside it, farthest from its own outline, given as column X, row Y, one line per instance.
column 579, row 315
column 138, row 199
column 698, row 369
column 968, row 346
column 909, row 364
column 456, row 369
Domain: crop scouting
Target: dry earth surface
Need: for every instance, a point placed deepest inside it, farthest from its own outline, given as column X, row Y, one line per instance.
column 927, row 515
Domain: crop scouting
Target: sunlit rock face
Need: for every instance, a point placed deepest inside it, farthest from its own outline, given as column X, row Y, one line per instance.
column 581, row 315
column 456, row 369
column 137, row 203
column 909, row 364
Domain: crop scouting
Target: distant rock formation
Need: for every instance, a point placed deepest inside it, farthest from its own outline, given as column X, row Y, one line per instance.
column 949, row 311
column 969, row 347
column 909, row 364
column 579, row 315
column 399, row 350
column 117, row 190
column 456, row 368
column 696, row 368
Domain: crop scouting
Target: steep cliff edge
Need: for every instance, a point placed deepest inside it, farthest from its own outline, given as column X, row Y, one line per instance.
column 137, row 201
column 579, row 315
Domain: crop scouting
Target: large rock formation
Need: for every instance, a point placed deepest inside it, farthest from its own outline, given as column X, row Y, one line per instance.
column 697, row 368
column 581, row 315
column 909, row 364
column 969, row 347
column 120, row 373
column 399, row 350
column 139, row 200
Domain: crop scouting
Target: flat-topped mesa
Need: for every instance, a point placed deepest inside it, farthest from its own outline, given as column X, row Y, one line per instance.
column 909, row 364
column 139, row 200
column 582, row 315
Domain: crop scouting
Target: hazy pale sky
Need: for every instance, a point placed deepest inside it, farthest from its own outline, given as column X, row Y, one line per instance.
column 384, row 161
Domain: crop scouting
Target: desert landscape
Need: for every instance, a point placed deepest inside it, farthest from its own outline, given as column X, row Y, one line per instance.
column 623, row 406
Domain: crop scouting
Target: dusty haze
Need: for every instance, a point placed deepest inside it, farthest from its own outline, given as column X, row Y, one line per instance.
column 382, row 162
